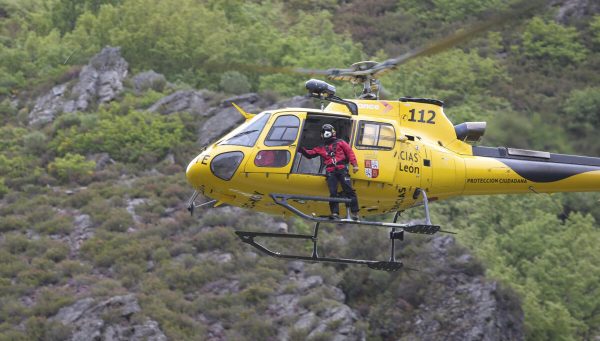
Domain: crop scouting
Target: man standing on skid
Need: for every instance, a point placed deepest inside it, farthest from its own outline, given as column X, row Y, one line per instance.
column 336, row 155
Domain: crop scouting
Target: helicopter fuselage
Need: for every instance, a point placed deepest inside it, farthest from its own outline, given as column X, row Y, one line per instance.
column 401, row 146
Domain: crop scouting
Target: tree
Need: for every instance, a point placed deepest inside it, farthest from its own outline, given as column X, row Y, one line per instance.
column 65, row 13
column 552, row 42
column 582, row 109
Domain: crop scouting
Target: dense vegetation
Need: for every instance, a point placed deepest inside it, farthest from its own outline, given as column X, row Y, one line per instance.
column 535, row 81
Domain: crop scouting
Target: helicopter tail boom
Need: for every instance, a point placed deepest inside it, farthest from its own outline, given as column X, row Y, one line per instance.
column 506, row 170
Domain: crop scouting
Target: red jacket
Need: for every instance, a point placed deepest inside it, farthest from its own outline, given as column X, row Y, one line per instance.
column 343, row 154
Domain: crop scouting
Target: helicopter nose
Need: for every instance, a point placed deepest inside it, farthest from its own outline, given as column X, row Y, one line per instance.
column 193, row 172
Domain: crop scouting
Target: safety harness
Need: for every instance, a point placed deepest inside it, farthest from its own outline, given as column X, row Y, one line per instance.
column 331, row 153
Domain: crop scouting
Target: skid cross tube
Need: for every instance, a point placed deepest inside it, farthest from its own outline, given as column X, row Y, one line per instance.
column 192, row 203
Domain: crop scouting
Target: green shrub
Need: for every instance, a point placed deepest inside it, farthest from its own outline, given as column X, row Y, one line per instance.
column 15, row 243
column 43, row 209
column 179, row 277
column 219, row 238
column 66, row 120
column 72, row 167
column 39, row 328
column 101, row 249
column 11, row 138
column 49, row 301
column 150, row 97
column 12, row 222
column 10, row 264
column 3, row 189
column 161, row 254
column 583, row 108
column 18, row 166
column 59, row 224
column 234, row 82
column 312, row 299
column 119, row 220
column 8, row 333
column 35, row 142
column 130, row 273
column 130, row 137
column 107, row 287
column 256, row 294
column 218, row 218
column 81, row 198
column 152, row 284
column 71, row 268
column 57, row 252
column 35, row 277
column 595, row 28
column 254, row 327
column 177, row 326
column 298, row 334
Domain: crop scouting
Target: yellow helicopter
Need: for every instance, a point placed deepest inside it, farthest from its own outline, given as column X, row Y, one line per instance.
column 408, row 152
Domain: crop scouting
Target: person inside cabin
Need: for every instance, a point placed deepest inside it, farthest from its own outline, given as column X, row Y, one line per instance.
column 265, row 158
column 336, row 154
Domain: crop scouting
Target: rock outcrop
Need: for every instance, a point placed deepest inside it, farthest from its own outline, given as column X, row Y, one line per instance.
column 302, row 307
column 312, row 309
column 110, row 319
column 295, row 102
column 99, row 82
column 225, row 117
column 574, row 9
column 192, row 101
column 49, row 105
column 148, row 80
column 82, row 231
column 462, row 304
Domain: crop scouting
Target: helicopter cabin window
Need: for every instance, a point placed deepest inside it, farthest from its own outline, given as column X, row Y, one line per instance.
column 374, row 135
column 272, row 158
column 247, row 134
column 283, row 132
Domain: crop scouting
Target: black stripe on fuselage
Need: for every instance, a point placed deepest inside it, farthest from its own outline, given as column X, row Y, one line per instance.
column 539, row 169
column 545, row 171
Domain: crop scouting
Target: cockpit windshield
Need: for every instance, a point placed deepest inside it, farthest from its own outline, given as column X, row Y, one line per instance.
column 247, row 134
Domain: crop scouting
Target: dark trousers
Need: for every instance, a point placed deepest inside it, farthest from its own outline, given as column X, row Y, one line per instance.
column 342, row 177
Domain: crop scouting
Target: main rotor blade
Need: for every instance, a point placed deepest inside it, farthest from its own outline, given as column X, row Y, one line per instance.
column 519, row 9
column 384, row 93
column 265, row 69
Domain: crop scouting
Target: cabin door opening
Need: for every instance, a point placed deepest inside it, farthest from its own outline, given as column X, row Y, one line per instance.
column 311, row 137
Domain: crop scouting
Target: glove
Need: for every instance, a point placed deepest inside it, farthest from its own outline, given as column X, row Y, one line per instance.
column 354, row 169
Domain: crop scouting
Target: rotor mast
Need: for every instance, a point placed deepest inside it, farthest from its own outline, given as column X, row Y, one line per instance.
column 360, row 73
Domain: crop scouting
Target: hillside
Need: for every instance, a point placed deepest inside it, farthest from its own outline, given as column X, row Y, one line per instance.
column 103, row 104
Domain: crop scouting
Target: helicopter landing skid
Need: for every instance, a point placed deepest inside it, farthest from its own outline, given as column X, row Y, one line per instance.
column 396, row 233
column 248, row 237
